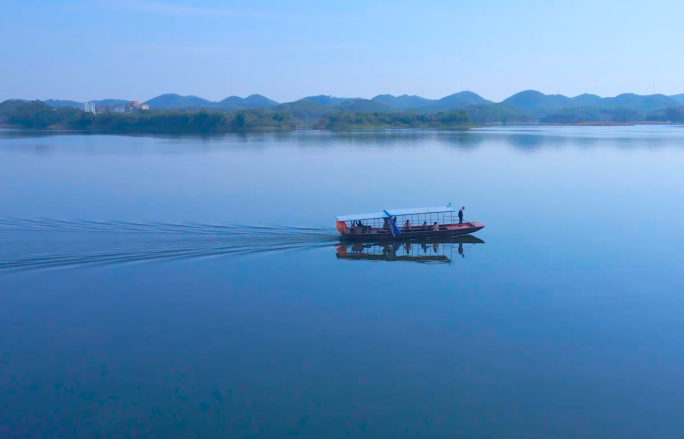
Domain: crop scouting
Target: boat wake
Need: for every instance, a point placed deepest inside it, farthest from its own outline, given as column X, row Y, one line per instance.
column 29, row 244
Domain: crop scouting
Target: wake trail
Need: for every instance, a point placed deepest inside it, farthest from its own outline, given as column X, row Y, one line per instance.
column 29, row 244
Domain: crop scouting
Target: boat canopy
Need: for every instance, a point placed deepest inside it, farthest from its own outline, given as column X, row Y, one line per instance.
column 362, row 216
column 420, row 210
column 397, row 212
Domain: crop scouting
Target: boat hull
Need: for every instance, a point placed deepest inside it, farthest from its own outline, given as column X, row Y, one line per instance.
column 449, row 231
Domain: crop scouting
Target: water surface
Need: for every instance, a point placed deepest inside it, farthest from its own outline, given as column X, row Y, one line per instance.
column 194, row 287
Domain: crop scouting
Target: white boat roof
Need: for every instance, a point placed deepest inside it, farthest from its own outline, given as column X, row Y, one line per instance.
column 361, row 216
column 397, row 212
column 420, row 210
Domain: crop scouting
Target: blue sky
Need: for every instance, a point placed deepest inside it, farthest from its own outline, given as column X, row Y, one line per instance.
column 138, row 49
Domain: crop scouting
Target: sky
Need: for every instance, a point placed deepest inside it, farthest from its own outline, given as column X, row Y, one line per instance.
column 138, row 49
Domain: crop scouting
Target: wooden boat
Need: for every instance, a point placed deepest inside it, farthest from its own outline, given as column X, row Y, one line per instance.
column 423, row 222
column 437, row 250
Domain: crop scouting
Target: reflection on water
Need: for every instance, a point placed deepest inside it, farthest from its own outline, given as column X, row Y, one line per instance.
column 419, row 250
column 528, row 139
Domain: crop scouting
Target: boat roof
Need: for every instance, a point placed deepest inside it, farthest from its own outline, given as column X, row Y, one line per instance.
column 397, row 212
column 362, row 216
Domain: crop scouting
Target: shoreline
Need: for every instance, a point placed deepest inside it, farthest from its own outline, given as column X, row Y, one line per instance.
column 56, row 130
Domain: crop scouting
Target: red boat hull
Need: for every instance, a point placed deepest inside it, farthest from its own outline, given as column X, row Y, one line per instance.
column 446, row 231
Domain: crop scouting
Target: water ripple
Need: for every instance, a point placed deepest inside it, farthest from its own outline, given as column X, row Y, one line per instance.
column 29, row 244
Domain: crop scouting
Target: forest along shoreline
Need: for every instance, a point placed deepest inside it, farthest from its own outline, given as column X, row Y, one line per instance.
column 37, row 115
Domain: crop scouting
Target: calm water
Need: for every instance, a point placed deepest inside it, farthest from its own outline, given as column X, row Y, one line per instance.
column 190, row 287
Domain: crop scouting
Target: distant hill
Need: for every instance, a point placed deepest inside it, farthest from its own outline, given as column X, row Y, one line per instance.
column 447, row 103
column 433, row 109
column 540, row 103
column 11, row 105
column 61, row 103
column 232, row 103
column 461, row 99
column 678, row 98
column 497, row 113
column 172, row 100
column 531, row 99
column 260, row 101
column 251, row 102
column 305, row 110
column 328, row 101
column 403, row 102
column 483, row 113
column 587, row 100
column 644, row 104
column 364, row 106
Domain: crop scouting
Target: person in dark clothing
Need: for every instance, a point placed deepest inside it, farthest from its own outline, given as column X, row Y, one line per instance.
column 460, row 216
column 407, row 226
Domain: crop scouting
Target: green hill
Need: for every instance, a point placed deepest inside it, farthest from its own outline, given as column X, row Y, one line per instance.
column 461, row 99
column 497, row 113
column 232, row 103
column 251, row 102
column 172, row 100
column 62, row 103
column 364, row 106
column 36, row 115
column 641, row 103
column 541, row 104
column 483, row 113
column 587, row 100
column 678, row 98
column 328, row 101
column 418, row 104
column 305, row 110
column 403, row 102
column 532, row 99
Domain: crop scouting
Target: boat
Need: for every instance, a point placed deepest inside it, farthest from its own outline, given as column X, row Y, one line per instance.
column 438, row 250
column 423, row 222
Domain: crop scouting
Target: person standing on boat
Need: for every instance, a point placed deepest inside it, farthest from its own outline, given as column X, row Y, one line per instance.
column 460, row 216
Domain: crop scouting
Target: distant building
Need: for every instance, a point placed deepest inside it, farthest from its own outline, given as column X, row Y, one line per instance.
column 134, row 106
column 130, row 107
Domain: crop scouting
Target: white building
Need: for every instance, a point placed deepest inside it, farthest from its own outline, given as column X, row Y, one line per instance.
column 131, row 107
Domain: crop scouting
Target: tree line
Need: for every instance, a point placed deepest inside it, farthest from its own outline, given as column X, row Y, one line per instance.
column 341, row 120
column 38, row 115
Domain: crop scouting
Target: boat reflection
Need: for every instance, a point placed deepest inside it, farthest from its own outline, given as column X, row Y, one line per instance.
column 417, row 250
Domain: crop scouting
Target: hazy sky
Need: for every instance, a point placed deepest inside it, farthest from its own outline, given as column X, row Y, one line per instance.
column 138, row 49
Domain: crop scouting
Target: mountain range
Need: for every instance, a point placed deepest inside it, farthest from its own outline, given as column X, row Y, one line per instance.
column 533, row 100
column 232, row 103
column 533, row 103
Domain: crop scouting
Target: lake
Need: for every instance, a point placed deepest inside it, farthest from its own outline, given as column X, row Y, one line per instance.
column 194, row 287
